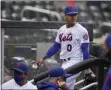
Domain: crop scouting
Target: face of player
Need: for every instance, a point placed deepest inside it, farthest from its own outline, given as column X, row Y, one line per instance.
column 71, row 19
column 20, row 78
column 60, row 79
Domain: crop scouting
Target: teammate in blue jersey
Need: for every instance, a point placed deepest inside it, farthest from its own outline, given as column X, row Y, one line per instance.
column 73, row 42
column 56, row 80
column 107, row 48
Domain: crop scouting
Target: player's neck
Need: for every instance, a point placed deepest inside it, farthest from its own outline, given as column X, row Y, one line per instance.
column 70, row 25
column 23, row 83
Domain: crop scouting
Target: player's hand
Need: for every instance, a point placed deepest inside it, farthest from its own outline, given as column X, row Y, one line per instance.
column 88, row 72
column 35, row 66
column 89, row 76
column 39, row 62
column 62, row 84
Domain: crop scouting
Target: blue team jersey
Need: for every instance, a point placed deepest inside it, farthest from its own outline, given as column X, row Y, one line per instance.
column 48, row 86
column 107, row 83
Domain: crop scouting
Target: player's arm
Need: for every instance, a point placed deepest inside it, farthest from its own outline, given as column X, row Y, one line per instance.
column 85, row 44
column 54, row 48
column 51, row 51
column 86, row 55
column 85, row 50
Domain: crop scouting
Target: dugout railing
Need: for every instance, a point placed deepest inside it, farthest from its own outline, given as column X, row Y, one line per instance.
column 80, row 67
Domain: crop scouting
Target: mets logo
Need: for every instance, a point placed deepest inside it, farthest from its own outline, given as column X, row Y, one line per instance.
column 17, row 65
column 85, row 37
column 67, row 37
column 72, row 8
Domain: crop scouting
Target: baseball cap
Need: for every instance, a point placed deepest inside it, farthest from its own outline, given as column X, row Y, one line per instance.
column 71, row 10
column 21, row 66
column 57, row 72
column 108, row 40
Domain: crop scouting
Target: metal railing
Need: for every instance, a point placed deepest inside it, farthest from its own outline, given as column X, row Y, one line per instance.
column 40, row 10
column 89, row 86
column 79, row 67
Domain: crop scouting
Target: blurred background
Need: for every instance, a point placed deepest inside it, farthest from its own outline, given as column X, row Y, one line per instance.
column 96, row 12
column 31, row 44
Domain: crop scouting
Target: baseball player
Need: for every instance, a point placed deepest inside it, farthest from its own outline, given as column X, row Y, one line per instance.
column 20, row 80
column 73, row 42
column 107, row 48
column 57, row 77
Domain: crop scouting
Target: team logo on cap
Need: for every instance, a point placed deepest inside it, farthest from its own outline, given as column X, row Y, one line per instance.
column 72, row 8
column 17, row 65
column 85, row 37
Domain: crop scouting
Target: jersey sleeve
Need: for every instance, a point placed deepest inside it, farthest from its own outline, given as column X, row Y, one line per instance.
column 58, row 37
column 84, row 36
column 107, row 83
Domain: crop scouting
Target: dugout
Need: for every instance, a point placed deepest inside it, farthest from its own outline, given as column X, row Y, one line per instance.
column 26, row 33
column 21, row 28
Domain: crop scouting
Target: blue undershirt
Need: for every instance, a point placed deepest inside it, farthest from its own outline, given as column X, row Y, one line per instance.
column 84, row 48
column 53, row 49
column 56, row 46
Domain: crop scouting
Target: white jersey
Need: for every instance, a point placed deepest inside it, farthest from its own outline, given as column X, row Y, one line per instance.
column 11, row 85
column 71, row 40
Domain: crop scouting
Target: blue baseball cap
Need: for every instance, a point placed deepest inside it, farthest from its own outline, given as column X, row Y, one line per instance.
column 108, row 41
column 71, row 10
column 57, row 72
column 21, row 66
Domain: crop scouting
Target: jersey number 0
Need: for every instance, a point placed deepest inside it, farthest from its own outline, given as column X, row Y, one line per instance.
column 69, row 47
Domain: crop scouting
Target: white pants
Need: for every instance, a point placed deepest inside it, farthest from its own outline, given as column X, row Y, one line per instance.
column 71, row 80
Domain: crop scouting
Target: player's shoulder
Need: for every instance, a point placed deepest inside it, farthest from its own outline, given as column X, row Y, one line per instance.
column 81, row 27
column 8, row 83
column 31, row 85
column 62, row 27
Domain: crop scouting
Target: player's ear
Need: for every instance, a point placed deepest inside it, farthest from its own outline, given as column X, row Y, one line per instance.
column 26, row 74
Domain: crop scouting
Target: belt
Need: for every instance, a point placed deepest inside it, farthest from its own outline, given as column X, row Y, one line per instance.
column 64, row 60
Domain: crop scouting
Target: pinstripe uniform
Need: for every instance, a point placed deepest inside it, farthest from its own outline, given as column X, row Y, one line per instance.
column 71, row 40
column 12, row 85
